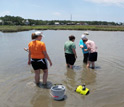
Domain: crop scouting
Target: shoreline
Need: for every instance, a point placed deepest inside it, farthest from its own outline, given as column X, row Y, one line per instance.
column 5, row 29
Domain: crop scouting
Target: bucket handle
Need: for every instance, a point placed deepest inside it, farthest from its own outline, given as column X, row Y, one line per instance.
column 53, row 96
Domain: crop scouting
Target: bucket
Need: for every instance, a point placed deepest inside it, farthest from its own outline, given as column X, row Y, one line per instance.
column 57, row 92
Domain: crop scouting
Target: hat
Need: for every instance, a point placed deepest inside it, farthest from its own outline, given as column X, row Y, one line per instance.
column 83, row 37
column 38, row 33
column 86, row 33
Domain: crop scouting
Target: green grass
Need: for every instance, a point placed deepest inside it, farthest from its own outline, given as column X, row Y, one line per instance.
column 4, row 28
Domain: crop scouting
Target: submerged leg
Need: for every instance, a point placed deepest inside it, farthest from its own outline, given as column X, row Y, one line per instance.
column 71, row 66
column 93, row 65
column 88, row 64
column 37, row 76
column 45, row 75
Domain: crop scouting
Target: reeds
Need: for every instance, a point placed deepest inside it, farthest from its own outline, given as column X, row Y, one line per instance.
column 4, row 28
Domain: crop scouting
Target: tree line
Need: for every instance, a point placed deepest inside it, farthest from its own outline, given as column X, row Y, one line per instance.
column 17, row 20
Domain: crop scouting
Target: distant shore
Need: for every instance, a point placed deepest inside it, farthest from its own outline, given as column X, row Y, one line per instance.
column 4, row 28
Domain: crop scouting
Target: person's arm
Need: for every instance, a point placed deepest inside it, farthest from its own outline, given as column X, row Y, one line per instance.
column 85, row 49
column 47, row 56
column 29, row 58
column 74, row 51
column 26, row 49
column 64, row 49
column 81, row 46
column 45, row 53
column 88, row 47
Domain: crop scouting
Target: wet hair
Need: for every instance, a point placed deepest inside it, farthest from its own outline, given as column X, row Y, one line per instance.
column 71, row 37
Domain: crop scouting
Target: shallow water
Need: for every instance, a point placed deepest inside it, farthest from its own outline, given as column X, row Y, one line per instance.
column 17, row 88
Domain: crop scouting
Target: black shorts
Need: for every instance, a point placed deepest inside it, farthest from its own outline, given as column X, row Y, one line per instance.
column 39, row 64
column 93, row 56
column 70, row 58
column 86, row 56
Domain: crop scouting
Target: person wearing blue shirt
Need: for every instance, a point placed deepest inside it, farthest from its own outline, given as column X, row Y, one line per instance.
column 83, row 47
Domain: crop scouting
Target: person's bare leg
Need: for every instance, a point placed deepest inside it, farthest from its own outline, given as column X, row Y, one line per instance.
column 71, row 66
column 37, row 76
column 88, row 64
column 45, row 75
column 93, row 65
column 68, row 65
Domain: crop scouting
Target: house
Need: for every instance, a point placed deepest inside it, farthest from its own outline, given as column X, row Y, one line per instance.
column 27, row 22
column 1, row 22
column 57, row 23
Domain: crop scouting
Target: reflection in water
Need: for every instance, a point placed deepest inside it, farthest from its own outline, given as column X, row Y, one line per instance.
column 32, row 85
column 70, row 81
column 77, row 67
column 40, row 98
column 88, row 75
column 75, row 78
column 105, row 81
column 43, row 99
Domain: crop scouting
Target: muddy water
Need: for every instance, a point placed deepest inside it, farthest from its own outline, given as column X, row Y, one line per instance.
column 17, row 88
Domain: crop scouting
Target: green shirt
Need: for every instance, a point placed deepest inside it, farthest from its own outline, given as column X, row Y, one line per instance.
column 69, row 45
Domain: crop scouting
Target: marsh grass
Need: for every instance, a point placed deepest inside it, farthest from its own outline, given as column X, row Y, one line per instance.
column 4, row 28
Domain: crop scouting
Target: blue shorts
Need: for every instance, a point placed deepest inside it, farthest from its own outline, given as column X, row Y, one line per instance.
column 39, row 64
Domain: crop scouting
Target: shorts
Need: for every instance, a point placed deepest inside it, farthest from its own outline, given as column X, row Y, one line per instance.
column 86, row 56
column 39, row 64
column 70, row 58
column 93, row 56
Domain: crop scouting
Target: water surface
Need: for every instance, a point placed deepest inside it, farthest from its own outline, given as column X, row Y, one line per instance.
column 17, row 88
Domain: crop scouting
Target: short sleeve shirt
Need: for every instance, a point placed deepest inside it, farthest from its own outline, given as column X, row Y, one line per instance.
column 91, row 45
column 84, row 45
column 69, row 45
column 36, row 48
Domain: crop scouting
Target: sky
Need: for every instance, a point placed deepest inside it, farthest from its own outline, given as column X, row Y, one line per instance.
column 77, row 10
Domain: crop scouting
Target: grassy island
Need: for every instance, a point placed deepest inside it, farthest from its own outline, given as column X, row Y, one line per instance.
column 4, row 28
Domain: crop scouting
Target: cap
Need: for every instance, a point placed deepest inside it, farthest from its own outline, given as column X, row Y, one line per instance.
column 86, row 33
column 83, row 37
column 38, row 33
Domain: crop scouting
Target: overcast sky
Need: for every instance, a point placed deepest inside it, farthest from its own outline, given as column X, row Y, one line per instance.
column 81, row 10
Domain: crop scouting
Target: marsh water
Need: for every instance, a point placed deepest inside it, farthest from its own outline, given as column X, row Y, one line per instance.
column 106, row 81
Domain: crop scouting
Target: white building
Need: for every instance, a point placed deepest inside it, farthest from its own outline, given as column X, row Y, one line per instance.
column 27, row 22
column 1, row 21
column 57, row 23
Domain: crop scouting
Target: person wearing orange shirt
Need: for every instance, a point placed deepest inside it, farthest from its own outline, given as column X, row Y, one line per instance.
column 37, row 57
